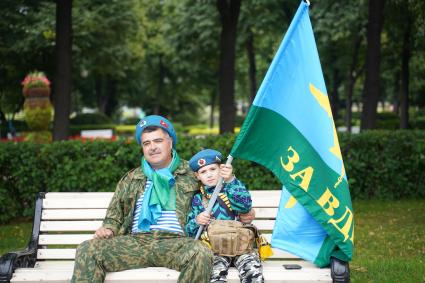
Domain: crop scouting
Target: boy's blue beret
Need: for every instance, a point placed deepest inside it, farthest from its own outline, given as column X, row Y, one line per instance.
column 155, row 120
column 203, row 158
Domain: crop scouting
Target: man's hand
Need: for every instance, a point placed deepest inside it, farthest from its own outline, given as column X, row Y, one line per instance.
column 226, row 171
column 103, row 233
column 203, row 218
column 247, row 217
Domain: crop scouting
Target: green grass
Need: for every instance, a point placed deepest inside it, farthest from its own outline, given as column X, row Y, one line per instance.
column 389, row 241
column 14, row 237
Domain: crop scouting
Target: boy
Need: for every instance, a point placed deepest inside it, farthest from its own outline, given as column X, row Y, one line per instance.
column 233, row 199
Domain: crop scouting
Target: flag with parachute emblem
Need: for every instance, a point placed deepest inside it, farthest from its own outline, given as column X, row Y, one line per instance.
column 290, row 130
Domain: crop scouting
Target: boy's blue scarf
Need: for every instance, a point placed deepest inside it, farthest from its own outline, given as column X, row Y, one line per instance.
column 159, row 195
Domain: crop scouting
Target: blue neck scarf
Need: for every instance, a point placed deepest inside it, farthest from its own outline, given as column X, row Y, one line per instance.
column 160, row 195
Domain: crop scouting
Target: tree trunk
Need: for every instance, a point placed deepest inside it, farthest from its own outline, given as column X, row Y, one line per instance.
column 111, row 102
column 371, row 88
column 99, row 86
column 349, row 103
column 3, row 125
column 351, row 80
column 161, row 75
column 397, row 95
column 62, row 93
column 252, row 70
column 213, row 99
column 229, row 14
column 404, row 117
column 105, row 88
column 336, row 81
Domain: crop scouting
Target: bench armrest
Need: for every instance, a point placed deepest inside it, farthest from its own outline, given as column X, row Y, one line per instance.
column 26, row 258
column 10, row 261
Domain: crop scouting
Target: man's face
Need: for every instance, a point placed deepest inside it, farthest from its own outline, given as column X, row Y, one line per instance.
column 209, row 174
column 157, row 147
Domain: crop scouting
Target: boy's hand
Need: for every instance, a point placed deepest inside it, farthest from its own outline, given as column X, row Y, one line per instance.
column 203, row 218
column 226, row 171
column 247, row 217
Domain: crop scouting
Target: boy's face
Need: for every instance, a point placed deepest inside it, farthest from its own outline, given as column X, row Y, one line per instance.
column 209, row 174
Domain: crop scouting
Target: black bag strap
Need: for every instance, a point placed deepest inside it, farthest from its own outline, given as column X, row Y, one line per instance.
column 220, row 200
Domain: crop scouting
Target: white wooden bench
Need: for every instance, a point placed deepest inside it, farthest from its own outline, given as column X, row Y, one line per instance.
column 63, row 220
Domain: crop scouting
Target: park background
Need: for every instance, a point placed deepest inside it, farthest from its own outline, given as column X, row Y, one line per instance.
column 200, row 63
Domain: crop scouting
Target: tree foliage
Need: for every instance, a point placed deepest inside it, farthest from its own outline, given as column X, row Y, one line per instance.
column 164, row 56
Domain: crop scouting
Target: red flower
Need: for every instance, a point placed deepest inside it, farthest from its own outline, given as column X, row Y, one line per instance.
column 35, row 79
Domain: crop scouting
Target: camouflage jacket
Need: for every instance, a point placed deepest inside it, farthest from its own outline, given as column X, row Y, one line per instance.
column 119, row 216
column 234, row 195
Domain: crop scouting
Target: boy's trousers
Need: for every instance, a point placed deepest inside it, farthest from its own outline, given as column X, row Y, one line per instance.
column 96, row 257
column 248, row 265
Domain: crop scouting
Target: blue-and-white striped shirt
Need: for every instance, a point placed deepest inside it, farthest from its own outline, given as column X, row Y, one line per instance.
column 167, row 221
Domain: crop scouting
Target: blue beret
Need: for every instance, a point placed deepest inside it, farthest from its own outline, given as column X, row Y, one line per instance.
column 158, row 121
column 203, row 158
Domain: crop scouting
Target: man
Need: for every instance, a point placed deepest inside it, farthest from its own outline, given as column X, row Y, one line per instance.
column 145, row 219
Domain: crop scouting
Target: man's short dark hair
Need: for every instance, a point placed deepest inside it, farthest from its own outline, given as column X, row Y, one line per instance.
column 150, row 129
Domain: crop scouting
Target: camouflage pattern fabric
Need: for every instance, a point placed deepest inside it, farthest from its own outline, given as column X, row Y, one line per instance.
column 156, row 248
column 236, row 197
column 96, row 257
column 248, row 266
column 119, row 216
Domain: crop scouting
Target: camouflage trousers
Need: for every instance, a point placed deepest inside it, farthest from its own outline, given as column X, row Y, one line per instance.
column 97, row 256
column 248, row 265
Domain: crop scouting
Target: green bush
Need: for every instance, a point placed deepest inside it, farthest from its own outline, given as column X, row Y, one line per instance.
column 387, row 121
column 385, row 164
column 130, row 121
column 70, row 166
column 90, row 119
column 379, row 164
column 419, row 112
column 418, row 123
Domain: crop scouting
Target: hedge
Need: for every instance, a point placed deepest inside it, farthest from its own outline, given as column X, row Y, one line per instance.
column 379, row 164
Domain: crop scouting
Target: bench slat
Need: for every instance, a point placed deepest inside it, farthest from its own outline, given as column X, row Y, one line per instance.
column 69, row 264
column 265, row 198
column 80, row 214
column 70, row 254
column 164, row 275
column 104, row 203
column 68, row 195
column 50, row 226
column 53, row 226
column 64, row 214
column 76, row 203
column 56, row 253
column 257, row 194
column 61, row 239
column 76, row 239
column 91, row 200
column 265, row 212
